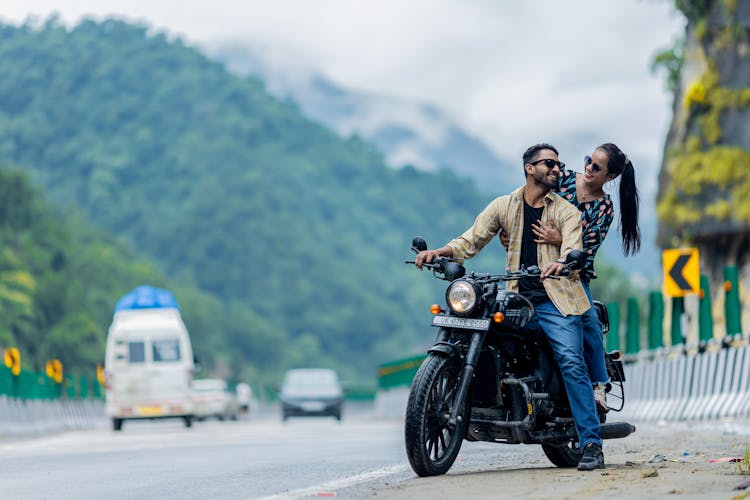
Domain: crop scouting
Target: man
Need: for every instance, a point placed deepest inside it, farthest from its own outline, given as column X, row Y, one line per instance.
column 559, row 303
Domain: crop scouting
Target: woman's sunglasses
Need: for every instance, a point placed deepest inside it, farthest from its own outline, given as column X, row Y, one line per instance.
column 588, row 161
column 550, row 163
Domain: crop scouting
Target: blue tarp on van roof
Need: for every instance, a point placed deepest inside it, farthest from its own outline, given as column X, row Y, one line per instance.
column 147, row 297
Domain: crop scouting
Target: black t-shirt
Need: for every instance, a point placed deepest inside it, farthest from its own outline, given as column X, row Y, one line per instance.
column 531, row 288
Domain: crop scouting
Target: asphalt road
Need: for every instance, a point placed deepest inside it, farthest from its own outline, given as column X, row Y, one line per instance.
column 361, row 457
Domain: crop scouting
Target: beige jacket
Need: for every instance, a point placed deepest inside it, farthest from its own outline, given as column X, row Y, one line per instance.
column 506, row 212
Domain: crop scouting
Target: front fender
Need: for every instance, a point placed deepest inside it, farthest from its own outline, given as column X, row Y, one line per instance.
column 445, row 349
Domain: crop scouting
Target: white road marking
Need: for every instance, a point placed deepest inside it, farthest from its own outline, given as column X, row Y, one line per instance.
column 338, row 484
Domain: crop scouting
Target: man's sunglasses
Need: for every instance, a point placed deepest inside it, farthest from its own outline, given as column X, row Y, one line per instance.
column 550, row 163
column 588, row 161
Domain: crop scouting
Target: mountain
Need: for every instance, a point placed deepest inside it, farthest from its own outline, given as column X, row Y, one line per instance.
column 418, row 134
column 60, row 278
column 298, row 235
column 407, row 132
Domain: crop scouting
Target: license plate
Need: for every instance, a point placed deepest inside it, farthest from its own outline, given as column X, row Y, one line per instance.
column 313, row 406
column 150, row 411
column 466, row 323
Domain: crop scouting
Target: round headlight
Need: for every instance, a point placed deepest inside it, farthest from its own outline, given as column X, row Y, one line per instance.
column 461, row 297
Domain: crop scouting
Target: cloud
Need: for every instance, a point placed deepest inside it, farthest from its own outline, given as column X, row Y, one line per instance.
column 506, row 71
column 574, row 73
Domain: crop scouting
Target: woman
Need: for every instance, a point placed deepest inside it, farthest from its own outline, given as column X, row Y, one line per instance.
column 586, row 191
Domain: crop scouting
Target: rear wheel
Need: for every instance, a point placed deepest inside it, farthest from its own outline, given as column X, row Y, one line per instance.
column 188, row 420
column 431, row 445
column 117, row 424
column 565, row 456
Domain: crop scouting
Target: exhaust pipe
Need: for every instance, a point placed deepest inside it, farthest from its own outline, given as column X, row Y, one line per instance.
column 609, row 430
column 613, row 430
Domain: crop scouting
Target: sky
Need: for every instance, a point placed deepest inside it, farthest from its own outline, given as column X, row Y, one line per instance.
column 575, row 73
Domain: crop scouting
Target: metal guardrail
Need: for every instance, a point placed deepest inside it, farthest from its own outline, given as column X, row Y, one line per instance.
column 675, row 385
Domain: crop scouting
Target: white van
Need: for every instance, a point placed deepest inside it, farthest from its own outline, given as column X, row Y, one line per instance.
column 148, row 360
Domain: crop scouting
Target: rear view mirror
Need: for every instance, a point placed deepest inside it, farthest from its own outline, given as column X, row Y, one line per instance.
column 575, row 259
column 418, row 244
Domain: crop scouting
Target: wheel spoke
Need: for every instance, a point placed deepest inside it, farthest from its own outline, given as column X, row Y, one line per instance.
column 442, row 438
column 432, row 449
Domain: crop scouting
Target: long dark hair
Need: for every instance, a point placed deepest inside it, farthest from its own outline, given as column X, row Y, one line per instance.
column 619, row 164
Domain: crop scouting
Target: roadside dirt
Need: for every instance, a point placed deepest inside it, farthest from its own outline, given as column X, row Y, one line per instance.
column 668, row 460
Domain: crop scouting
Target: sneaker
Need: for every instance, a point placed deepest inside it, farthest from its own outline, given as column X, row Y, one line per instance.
column 593, row 458
column 600, row 396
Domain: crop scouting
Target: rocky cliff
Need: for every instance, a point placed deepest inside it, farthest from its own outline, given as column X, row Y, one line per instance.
column 704, row 183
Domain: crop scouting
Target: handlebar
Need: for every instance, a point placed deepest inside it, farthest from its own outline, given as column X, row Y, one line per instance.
column 437, row 264
column 531, row 272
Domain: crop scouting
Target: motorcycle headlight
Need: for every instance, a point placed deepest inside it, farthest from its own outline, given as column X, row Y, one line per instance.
column 461, row 297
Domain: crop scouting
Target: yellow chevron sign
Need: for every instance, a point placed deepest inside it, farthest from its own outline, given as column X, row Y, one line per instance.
column 13, row 360
column 682, row 274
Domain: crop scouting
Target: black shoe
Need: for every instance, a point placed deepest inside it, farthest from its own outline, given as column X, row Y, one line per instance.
column 593, row 458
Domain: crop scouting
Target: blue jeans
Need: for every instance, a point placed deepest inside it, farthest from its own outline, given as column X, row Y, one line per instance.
column 565, row 334
column 593, row 343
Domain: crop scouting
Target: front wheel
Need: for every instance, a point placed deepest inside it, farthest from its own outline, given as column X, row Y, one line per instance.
column 431, row 445
column 565, row 456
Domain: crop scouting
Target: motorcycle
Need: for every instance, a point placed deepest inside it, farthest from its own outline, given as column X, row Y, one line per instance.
column 490, row 378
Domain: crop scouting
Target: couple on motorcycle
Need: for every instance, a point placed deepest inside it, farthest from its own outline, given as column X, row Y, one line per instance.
column 553, row 213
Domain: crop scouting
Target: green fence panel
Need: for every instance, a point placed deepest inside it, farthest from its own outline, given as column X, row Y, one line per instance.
column 678, row 309
column 705, row 315
column 732, row 307
column 6, row 381
column 83, row 387
column 96, row 389
column 613, row 337
column 655, row 320
column 70, row 387
column 399, row 373
column 359, row 393
column 632, row 327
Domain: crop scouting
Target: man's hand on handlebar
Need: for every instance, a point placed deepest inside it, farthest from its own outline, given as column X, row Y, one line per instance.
column 428, row 256
column 551, row 269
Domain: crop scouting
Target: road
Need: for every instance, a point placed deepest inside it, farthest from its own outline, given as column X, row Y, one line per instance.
column 361, row 457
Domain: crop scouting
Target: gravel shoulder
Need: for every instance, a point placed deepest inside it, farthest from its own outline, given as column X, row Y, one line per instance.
column 666, row 460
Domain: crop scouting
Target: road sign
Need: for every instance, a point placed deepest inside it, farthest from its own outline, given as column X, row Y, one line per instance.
column 100, row 376
column 682, row 274
column 13, row 360
column 55, row 370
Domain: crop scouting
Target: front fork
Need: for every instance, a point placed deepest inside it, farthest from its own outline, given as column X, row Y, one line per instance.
column 467, row 374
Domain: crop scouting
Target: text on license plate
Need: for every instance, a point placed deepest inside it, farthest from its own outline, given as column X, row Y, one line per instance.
column 467, row 323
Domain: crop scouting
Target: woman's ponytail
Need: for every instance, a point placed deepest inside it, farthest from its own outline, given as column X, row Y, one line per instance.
column 620, row 165
column 631, row 234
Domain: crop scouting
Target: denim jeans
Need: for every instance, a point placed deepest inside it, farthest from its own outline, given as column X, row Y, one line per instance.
column 593, row 343
column 565, row 334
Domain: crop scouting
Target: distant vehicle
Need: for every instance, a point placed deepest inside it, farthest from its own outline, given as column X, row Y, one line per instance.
column 212, row 398
column 245, row 398
column 311, row 392
column 148, row 359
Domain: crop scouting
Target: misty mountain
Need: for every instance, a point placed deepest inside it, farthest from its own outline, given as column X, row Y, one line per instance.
column 418, row 134
column 405, row 131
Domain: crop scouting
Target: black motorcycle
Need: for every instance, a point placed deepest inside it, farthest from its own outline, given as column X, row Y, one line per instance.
column 490, row 378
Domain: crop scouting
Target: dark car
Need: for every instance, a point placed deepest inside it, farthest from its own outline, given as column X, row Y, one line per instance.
column 311, row 392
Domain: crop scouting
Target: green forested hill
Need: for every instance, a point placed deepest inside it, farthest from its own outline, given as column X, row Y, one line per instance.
column 60, row 279
column 231, row 192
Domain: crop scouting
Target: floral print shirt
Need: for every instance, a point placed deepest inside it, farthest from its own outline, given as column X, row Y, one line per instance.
column 596, row 217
